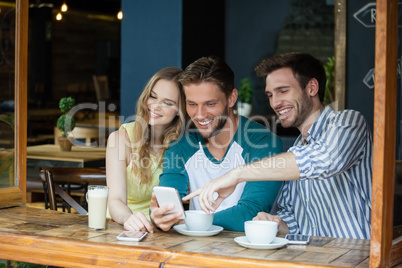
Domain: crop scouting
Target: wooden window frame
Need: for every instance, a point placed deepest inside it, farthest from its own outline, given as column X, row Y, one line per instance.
column 383, row 250
column 17, row 195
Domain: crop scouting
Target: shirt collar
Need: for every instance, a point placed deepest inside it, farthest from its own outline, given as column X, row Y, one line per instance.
column 316, row 127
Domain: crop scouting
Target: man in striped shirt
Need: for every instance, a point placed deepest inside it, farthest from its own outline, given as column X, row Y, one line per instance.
column 328, row 171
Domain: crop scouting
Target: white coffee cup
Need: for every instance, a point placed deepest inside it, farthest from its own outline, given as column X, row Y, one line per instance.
column 97, row 204
column 198, row 220
column 260, row 232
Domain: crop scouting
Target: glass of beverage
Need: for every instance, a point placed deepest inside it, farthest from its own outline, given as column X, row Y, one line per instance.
column 97, row 204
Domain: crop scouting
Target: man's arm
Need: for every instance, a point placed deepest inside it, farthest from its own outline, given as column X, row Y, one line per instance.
column 174, row 175
column 256, row 197
column 334, row 150
column 275, row 168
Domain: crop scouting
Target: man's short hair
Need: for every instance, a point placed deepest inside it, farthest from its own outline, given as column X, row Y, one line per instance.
column 209, row 69
column 303, row 65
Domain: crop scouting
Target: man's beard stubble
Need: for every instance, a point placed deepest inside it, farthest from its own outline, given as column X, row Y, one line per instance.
column 223, row 118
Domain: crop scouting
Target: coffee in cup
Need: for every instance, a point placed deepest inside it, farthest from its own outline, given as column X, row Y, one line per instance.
column 198, row 220
column 97, row 204
column 260, row 232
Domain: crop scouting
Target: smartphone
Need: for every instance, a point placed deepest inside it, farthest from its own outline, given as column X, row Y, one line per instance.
column 298, row 239
column 169, row 195
column 131, row 236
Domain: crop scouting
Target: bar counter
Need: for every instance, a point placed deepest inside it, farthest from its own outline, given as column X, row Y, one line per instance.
column 55, row 238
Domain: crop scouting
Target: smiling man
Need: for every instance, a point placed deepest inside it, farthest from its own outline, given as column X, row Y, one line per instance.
column 216, row 142
column 327, row 173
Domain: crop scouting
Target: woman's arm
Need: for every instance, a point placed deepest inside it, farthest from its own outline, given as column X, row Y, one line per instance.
column 117, row 153
column 118, row 157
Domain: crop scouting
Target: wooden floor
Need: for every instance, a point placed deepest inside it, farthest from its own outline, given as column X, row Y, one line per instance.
column 41, row 205
column 35, row 199
column 36, row 205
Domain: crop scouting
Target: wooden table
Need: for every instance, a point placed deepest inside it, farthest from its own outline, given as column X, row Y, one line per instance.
column 49, row 155
column 108, row 123
column 80, row 155
column 57, row 238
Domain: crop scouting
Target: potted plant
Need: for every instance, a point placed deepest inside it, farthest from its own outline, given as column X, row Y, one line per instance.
column 330, row 85
column 66, row 122
column 245, row 97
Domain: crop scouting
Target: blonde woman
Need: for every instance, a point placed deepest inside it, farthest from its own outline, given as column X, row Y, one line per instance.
column 134, row 153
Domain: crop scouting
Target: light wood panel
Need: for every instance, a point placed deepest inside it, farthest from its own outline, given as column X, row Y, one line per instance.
column 77, row 154
column 17, row 195
column 63, row 239
column 340, row 54
column 385, row 96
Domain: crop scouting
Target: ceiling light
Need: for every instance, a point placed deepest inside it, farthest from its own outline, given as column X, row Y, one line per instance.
column 64, row 7
column 120, row 15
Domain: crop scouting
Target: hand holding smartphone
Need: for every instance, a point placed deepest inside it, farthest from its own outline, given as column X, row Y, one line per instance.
column 169, row 195
column 131, row 236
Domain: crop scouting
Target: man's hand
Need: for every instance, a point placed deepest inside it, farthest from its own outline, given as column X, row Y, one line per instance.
column 224, row 186
column 282, row 226
column 138, row 222
column 164, row 222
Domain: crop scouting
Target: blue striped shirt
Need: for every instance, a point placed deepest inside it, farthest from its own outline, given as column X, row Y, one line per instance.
column 333, row 196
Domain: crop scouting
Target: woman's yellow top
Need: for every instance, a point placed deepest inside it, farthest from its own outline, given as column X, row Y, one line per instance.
column 139, row 197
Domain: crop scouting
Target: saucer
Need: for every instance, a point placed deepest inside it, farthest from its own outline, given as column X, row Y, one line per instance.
column 278, row 242
column 182, row 229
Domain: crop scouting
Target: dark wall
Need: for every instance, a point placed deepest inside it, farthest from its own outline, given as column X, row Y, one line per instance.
column 40, row 58
column 360, row 51
column 64, row 55
column 203, row 30
column 252, row 29
column 151, row 40
column 240, row 31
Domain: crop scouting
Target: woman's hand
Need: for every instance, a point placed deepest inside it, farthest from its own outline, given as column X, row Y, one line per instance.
column 138, row 222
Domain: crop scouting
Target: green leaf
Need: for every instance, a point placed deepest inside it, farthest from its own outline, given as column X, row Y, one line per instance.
column 66, row 124
column 246, row 90
column 66, row 104
column 330, row 85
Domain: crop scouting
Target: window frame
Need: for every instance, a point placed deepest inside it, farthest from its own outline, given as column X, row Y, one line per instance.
column 17, row 195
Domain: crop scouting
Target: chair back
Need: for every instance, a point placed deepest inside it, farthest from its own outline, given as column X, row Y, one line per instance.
column 90, row 135
column 80, row 136
column 101, row 85
column 52, row 177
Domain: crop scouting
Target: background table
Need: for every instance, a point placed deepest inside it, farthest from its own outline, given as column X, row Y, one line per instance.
column 49, row 155
column 63, row 239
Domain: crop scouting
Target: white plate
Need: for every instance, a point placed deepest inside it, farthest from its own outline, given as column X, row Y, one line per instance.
column 276, row 243
column 182, row 229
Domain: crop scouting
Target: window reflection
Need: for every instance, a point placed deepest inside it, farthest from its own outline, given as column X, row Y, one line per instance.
column 7, row 52
column 398, row 163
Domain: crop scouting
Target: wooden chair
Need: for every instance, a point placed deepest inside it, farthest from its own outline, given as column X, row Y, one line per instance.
column 80, row 136
column 54, row 177
column 90, row 135
column 101, row 85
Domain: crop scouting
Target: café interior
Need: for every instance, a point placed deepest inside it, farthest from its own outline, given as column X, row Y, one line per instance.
column 102, row 53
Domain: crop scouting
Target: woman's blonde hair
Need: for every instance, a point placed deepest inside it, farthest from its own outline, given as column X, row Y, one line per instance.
column 142, row 164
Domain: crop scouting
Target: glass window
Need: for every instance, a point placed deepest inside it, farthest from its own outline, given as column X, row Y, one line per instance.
column 7, row 94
